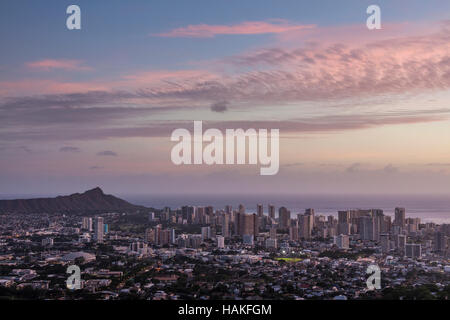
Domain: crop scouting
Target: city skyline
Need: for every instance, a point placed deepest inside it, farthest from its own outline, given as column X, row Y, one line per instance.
column 212, row 253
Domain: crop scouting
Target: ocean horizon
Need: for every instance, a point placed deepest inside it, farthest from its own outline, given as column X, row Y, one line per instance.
column 430, row 208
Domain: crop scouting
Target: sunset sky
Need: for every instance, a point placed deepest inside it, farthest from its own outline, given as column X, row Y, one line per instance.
column 359, row 111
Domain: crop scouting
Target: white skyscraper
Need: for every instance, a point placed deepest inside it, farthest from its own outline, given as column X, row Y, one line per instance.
column 172, row 235
column 220, row 242
column 87, row 223
column 99, row 229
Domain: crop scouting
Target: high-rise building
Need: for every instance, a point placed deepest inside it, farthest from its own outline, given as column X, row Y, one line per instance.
column 400, row 214
column 415, row 222
column 248, row 227
column 172, row 235
column 343, row 216
column 342, row 241
column 247, row 239
column 273, row 233
column 139, row 247
column 344, row 228
column 87, row 223
column 262, row 223
column 284, row 216
column 304, row 226
column 200, row 215
column 445, row 228
column 188, row 213
column 99, row 229
column 150, row 235
column 165, row 236
column 260, row 210
column 238, row 220
column 158, row 234
column 293, row 233
column 271, row 244
column 220, row 242
column 255, row 225
column 246, row 224
column 378, row 217
column 194, row 241
column 385, row 243
column 413, row 250
column 310, row 214
column 309, row 211
column 226, row 225
column 206, row 233
column 440, row 242
column 164, row 215
column 331, row 231
column 377, row 213
column 271, row 209
column 367, row 228
column 209, row 210
column 386, row 224
column 400, row 242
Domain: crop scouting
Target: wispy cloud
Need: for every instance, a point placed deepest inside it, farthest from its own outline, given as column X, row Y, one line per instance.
column 244, row 28
column 69, row 149
column 95, row 167
column 51, row 64
column 437, row 164
column 107, row 153
column 26, row 149
column 355, row 167
column 390, row 169
column 294, row 164
column 327, row 74
column 410, row 64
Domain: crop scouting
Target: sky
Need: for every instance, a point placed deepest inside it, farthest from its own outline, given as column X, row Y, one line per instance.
column 359, row 111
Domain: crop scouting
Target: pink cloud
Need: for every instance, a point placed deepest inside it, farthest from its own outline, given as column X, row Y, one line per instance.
column 159, row 80
column 247, row 28
column 46, row 86
column 49, row 64
column 159, row 77
column 352, row 34
column 310, row 72
column 406, row 64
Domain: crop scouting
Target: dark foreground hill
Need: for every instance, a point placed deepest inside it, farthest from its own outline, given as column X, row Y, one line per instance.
column 90, row 201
